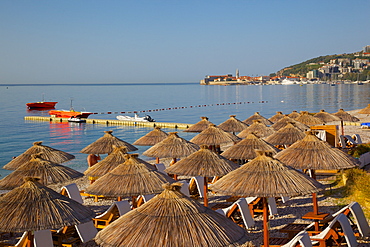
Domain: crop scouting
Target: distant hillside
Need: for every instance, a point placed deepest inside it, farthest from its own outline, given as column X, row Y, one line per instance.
column 301, row 69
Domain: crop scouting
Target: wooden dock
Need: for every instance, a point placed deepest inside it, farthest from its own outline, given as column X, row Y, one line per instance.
column 114, row 122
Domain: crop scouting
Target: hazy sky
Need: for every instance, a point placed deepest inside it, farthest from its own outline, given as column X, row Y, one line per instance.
column 92, row 41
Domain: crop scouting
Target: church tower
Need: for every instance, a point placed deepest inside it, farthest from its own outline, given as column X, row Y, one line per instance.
column 237, row 73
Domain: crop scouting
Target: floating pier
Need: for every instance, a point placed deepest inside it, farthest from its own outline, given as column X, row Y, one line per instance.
column 114, row 122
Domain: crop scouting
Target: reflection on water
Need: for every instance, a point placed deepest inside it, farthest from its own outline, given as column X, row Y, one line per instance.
column 17, row 135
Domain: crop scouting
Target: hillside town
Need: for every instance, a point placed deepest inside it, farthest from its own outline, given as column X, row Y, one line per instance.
column 333, row 72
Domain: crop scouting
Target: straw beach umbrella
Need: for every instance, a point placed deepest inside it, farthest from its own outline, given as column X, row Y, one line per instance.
column 326, row 116
column 134, row 177
column 285, row 136
column 279, row 115
column 294, row 114
column 265, row 177
column 172, row 147
column 48, row 172
column 308, row 119
column 104, row 145
column 200, row 126
column 172, row 219
column 258, row 128
column 214, row 136
column 285, row 120
column 233, row 125
column 152, row 138
column 205, row 163
column 315, row 154
column 48, row 153
column 345, row 116
column 245, row 149
column 366, row 110
column 108, row 163
column 257, row 116
column 34, row 207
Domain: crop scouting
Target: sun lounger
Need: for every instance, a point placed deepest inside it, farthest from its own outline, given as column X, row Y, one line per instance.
column 346, row 139
column 301, row 238
column 22, row 242
column 199, row 183
column 111, row 214
column 240, row 206
column 331, row 233
column 284, row 199
column 72, row 192
column 86, row 231
column 272, row 206
column 161, row 167
column 43, row 238
column 143, row 199
column 355, row 209
column 185, row 188
column 66, row 236
column 364, row 159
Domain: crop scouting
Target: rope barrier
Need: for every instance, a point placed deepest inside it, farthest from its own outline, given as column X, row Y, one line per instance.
column 181, row 107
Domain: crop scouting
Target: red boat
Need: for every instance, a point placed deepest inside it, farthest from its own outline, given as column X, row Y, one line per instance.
column 69, row 114
column 41, row 104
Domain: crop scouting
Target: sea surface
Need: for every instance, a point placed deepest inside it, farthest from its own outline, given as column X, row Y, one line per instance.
column 178, row 103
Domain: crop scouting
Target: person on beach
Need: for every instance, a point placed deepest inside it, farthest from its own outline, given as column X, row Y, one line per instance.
column 92, row 159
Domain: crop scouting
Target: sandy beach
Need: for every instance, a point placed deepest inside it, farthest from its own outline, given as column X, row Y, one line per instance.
column 288, row 212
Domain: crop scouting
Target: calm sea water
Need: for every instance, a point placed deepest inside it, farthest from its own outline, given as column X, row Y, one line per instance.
column 192, row 99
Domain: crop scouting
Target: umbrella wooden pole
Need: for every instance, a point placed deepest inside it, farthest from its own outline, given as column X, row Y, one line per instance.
column 342, row 127
column 171, row 164
column 157, row 160
column 134, row 204
column 205, row 198
column 315, row 202
column 266, row 237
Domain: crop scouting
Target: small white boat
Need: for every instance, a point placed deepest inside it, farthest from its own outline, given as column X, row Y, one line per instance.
column 76, row 120
column 136, row 118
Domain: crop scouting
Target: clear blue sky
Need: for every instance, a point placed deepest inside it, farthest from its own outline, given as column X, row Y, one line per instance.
column 50, row 41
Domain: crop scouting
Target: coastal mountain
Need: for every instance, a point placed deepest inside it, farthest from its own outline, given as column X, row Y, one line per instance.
column 343, row 60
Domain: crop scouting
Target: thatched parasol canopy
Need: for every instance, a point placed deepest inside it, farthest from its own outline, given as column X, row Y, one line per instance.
column 214, row 136
column 308, row 119
column 313, row 153
column 366, row 110
column 48, row 153
column 257, row 116
column 284, row 121
column 204, row 162
column 34, row 207
column 134, row 177
column 326, row 116
column 48, row 172
column 245, row 149
column 294, row 114
column 172, row 219
column 265, row 176
column 258, row 128
column 279, row 115
column 200, row 126
column 108, row 163
column 172, row 147
column 345, row 116
column 233, row 125
column 286, row 136
column 104, row 145
column 152, row 138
